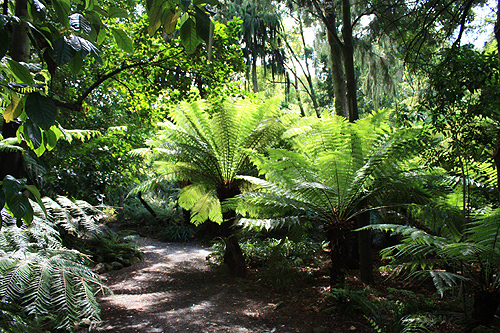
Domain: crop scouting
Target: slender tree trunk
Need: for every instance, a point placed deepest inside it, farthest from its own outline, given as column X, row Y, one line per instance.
column 348, row 52
column 20, row 45
column 254, row 70
column 336, row 66
column 146, row 205
column 299, row 99
column 308, row 72
column 364, row 247
column 496, row 153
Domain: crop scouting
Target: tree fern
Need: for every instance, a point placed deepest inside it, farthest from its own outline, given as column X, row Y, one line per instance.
column 207, row 147
column 334, row 169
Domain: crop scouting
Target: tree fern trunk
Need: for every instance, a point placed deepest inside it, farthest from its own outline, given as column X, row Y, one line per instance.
column 341, row 239
column 338, row 78
column 485, row 306
column 233, row 257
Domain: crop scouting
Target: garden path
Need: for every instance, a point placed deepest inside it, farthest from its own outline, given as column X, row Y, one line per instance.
column 175, row 290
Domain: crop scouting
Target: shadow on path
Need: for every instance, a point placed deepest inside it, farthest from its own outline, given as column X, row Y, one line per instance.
column 174, row 290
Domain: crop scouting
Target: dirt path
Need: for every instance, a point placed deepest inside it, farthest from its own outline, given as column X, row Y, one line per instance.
column 174, row 290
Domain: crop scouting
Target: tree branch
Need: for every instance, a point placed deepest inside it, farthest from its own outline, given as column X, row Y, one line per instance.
column 77, row 105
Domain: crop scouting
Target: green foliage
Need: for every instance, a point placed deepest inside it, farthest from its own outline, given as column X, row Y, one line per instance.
column 333, row 167
column 282, row 262
column 474, row 259
column 206, row 147
column 15, row 202
column 50, row 283
column 95, row 170
column 410, row 313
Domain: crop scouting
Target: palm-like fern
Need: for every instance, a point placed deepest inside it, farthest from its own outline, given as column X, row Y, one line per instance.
column 52, row 284
column 207, row 147
column 473, row 260
column 335, row 170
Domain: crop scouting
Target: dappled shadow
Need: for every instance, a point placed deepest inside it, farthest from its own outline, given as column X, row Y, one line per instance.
column 174, row 290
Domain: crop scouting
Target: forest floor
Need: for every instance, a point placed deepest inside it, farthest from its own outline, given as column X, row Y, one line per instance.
column 175, row 290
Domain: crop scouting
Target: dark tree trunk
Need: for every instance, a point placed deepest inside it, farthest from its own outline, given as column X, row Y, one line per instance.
column 11, row 163
column 485, row 306
column 348, row 51
column 338, row 78
column 365, row 248
column 341, row 239
column 146, row 205
column 233, row 257
column 496, row 153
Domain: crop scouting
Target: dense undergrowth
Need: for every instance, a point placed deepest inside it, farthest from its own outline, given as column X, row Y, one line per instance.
column 46, row 276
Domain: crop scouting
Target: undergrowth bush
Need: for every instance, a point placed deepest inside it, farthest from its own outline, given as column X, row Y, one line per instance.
column 282, row 261
column 43, row 278
column 399, row 311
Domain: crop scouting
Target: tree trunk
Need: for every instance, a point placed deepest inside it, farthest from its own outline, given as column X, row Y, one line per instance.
column 233, row 257
column 254, row 74
column 348, row 52
column 365, row 248
column 20, row 44
column 485, row 305
column 341, row 240
column 146, row 205
column 11, row 163
column 338, row 79
column 308, row 74
column 299, row 99
column 496, row 156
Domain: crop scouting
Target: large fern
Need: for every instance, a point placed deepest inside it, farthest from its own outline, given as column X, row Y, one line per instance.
column 52, row 284
column 336, row 171
column 208, row 147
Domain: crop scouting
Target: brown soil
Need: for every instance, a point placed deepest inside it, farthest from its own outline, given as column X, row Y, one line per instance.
column 175, row 290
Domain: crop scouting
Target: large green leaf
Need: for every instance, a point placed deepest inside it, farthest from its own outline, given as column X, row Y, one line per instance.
column 117, row 12
column 202, row 24
column 170, row 21
column 123, row 41
column 75, row 64
column 20, row 72
column 79, row 44
column 18, row 205
column 189, row 36
column 155, row 18
column 62, row 8
column 36, row 194
column 11, row 186
column 38, row 10
column 14, row 109
column 41, row 110
column 185, row 4
column 33, row 133
column 62, row 52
